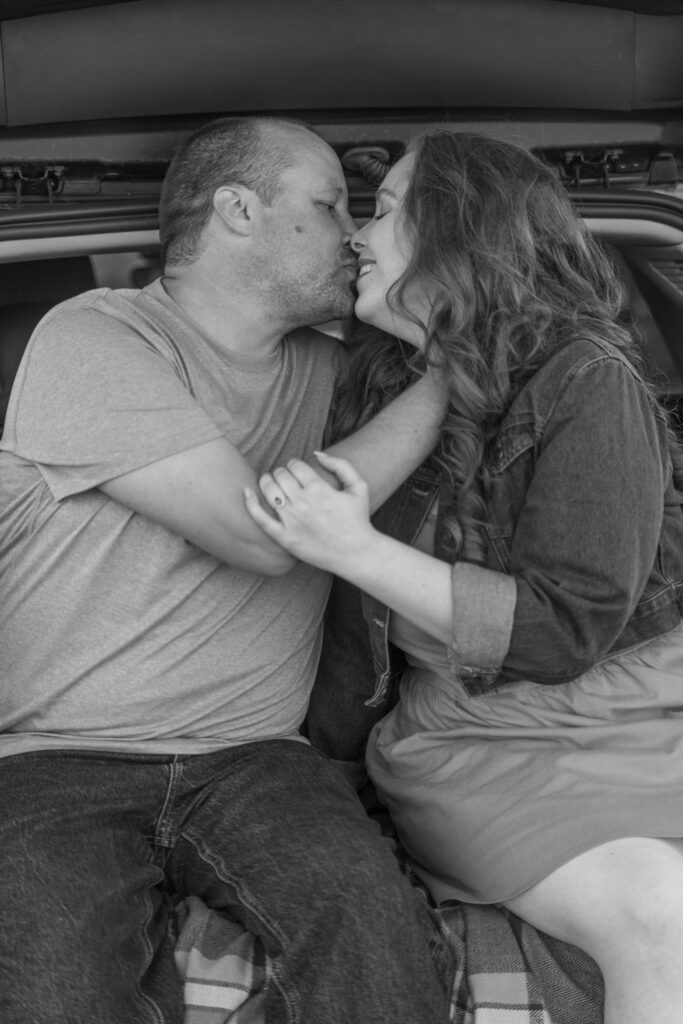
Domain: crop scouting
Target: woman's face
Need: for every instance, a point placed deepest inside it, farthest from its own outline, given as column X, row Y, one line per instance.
column 383, row 254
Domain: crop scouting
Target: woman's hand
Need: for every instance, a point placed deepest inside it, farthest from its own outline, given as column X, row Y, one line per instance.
column 331, row 529
column 326, row 527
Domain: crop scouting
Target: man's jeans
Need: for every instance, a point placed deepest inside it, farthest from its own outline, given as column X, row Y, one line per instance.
column 94, row 848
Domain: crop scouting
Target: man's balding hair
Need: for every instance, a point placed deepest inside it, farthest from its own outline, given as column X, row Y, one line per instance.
column 251, row 151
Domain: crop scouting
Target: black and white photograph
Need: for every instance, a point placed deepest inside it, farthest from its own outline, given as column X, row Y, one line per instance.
column 341, row 511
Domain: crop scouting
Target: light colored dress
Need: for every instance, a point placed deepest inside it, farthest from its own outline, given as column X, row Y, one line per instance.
column 492, row 793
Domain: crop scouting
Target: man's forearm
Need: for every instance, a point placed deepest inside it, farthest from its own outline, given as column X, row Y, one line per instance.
column 387, row 449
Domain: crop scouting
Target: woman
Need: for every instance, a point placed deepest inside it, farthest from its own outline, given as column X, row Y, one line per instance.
column 535, row 758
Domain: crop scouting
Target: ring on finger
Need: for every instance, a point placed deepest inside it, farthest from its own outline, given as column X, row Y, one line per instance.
column 279, row 500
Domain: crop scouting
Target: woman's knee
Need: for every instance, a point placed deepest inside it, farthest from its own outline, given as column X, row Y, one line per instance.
column 620, row 897
column 649, row 912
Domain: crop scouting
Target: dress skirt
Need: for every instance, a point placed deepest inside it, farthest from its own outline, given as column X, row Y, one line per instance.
column 490, row 794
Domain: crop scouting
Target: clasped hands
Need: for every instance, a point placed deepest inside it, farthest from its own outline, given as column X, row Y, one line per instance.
column 314, row 521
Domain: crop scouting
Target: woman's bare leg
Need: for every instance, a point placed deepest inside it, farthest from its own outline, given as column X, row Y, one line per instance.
column 622, row 903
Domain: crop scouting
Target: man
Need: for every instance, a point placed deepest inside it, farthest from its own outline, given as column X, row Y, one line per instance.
column 158, row 650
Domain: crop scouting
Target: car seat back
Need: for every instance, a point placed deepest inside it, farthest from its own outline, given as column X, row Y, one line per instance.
column 27, row 291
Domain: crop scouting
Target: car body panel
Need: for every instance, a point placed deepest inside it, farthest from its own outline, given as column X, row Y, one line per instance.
column 95, row 96
column 170, row 57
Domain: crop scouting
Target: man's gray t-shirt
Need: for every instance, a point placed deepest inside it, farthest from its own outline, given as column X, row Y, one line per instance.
column 116, row 634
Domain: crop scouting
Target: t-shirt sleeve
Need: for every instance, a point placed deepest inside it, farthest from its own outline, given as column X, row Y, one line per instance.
column 95, row 399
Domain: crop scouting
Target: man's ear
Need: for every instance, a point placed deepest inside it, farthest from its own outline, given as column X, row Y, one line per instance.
column 233, row 204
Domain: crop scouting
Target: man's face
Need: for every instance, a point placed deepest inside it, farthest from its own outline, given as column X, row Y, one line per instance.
column 307, row 269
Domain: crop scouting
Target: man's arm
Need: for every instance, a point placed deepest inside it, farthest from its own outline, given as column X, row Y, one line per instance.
column 391, row 445
column 198, row 494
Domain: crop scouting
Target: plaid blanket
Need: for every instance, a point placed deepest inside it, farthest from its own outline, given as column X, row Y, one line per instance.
column 508, row 972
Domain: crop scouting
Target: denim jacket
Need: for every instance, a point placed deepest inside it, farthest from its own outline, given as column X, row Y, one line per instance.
column 584, row 511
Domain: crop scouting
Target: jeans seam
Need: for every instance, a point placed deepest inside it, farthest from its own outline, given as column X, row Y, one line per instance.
column 277, row 979
column 156, row 1010
column 278, row 975
column 164, row 831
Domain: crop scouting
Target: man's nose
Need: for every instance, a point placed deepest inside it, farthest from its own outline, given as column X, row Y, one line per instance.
column 358, row 239
column 349, row 228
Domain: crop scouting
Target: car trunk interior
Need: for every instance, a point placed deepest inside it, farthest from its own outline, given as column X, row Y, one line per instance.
column 94, row 98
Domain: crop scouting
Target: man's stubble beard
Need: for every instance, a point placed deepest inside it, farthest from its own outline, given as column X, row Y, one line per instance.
column 317, row 304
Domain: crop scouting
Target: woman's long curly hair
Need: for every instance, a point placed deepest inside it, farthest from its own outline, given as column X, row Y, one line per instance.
column 512, row 276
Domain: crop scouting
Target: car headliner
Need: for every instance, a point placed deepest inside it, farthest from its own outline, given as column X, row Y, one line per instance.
column 67, row 62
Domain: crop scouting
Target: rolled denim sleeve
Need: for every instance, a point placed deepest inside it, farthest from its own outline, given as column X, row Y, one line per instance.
column 483, row 619
column 587, row 535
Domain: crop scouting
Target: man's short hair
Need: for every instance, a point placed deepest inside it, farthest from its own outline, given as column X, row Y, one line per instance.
column 251, row 151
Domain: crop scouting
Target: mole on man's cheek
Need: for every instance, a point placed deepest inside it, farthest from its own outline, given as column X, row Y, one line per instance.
column 299, row 230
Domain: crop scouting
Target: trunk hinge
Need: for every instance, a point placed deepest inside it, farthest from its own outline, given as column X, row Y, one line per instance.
column 29, row 181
